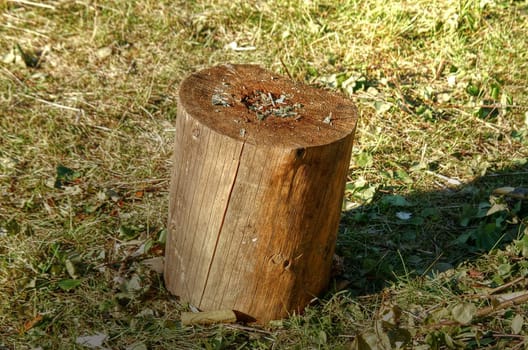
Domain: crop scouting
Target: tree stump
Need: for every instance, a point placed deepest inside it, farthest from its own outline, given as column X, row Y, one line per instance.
column 257, row 183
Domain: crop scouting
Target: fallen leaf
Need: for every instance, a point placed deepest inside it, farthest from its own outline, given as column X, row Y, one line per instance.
column 68, row 284
column 403, row 215
column 137, row 346
column 157, row 249
column 31, row 323
column 103, row 52
column 65, row 176
column 513, row 192
column 92, row 341
column 70, row 268
column 463, row 313
column 475, row 274
column 13, row 57
column 208, row 317
column 497, row 207
column 391, row 314
column 517, row 324
column 155, row 264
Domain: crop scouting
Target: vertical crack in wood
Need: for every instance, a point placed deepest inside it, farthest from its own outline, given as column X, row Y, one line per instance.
column 222, row 223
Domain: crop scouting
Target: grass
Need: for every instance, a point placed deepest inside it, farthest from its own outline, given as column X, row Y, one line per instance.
column 441, row 89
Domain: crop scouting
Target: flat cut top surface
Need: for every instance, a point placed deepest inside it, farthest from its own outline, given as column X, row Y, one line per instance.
column 253, row 105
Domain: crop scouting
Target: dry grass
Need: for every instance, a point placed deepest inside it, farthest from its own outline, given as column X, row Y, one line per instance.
column 441, row 87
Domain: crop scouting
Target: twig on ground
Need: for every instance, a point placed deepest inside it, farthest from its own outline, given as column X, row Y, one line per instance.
column 285, row 68
column 35, row 4
column 54, row 104
column 507, row 285
column 485, row 311
column 503, row 305
column 449, row 180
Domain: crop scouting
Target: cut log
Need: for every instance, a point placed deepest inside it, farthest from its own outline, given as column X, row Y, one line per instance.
column 257, row 184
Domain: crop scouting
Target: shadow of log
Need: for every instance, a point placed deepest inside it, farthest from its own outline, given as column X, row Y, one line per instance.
column 428, row 232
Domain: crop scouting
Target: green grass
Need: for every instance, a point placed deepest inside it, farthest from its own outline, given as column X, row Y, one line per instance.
column 441, row 89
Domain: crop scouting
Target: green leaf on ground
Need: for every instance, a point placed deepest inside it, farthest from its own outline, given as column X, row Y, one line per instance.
column 68, row 284
column 464, row 313
column 364, row 159
column 65, row 176
column 517, row 324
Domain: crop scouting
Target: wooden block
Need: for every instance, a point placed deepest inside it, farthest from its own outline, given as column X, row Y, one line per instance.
column 257, row 183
